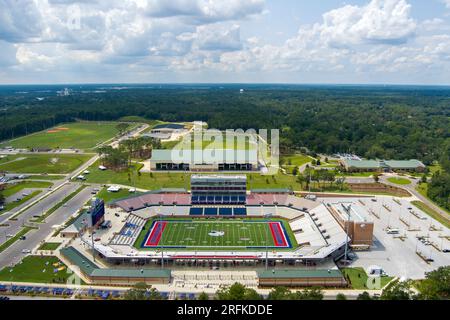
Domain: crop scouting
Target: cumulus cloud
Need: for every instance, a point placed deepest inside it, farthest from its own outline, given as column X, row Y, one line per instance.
column 381, row 21
column 141, row 38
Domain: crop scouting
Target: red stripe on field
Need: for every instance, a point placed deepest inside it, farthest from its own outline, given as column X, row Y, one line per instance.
column 149, row 242
column 276, row 229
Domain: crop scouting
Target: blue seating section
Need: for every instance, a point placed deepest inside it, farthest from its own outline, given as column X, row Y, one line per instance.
column 210, row 211
column 223, row 212
column 218, row 199
column 196, row 212
column 240, row 211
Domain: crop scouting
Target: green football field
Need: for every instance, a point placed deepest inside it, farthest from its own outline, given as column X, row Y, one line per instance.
column 78, row 135
column 207, row 234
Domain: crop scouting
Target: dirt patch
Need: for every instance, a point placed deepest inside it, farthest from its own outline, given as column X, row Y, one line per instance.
column 52, row 131
column 54, row 160
column 378, row 188
column 62, row 129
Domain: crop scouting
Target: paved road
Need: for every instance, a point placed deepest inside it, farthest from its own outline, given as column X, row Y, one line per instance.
column 13, row 254
column 37, row 209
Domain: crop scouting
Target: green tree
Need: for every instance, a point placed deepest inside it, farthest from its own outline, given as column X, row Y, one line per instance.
column 237, row 291
column 122, row 127
column 341, row 296
column 401, row 290
column 142, row 291
column 436, row 285
column 364, row 296
column 279, row 293
column 308, row 294
column 203, row 296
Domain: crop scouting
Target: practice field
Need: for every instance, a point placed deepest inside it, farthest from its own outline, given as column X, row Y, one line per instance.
column 43, row 163
column 204, row 234
column 78, row 135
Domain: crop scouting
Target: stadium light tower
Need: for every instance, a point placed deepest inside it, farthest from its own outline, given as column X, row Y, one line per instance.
column 162, row 229
column 267, row 216
column 346, row 232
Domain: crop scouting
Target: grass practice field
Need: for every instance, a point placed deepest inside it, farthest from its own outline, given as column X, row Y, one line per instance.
column 289, row 162
column 36, row 269
column 43, row 163
column 79, row 135
column 217, row 235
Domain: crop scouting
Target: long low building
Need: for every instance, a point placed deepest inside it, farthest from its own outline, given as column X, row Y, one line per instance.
column 382, row 165
column 207, row 160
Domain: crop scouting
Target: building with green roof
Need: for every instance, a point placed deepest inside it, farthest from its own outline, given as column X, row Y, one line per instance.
column 412, row 165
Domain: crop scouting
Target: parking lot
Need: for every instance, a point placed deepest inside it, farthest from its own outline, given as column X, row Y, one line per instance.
column 407, row 242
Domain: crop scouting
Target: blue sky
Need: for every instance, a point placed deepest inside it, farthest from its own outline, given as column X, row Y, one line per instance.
column 274, row 41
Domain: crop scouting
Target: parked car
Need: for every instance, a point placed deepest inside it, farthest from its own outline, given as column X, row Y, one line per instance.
column 26, row 251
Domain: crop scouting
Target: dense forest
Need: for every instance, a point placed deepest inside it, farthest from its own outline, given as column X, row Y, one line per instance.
column 384, row 122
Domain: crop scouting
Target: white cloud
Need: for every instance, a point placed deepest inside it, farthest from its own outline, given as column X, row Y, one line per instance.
column 141, row 38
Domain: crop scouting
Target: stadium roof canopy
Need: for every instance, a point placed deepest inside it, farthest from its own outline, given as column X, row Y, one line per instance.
column 91, row 269
column 333, row 273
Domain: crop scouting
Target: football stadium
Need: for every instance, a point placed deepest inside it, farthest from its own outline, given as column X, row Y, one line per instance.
column 218, row 222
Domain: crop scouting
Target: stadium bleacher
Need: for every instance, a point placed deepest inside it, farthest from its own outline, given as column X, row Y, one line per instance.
column 225, row 211
column 210, row 211
column 196, row 211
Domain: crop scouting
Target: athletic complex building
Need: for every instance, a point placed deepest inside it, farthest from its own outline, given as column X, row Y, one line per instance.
column 220, row 223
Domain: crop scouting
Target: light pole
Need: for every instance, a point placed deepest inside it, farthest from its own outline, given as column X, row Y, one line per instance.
column 162, row 234
column 92, row 240
column 346, row 232
column 267, row 216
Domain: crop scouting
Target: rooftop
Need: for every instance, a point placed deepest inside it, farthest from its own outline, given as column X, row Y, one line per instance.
column 394, row 164
column 332, row 273
column 207, row 156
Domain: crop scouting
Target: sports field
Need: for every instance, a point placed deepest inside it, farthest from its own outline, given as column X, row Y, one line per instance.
column 43, row 163
column 78, row 135
column 205, row 234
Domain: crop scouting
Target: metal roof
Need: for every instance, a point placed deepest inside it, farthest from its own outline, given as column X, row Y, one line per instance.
column 394, row 164
column 91, row 269
column 283, row 274
column 207, row 156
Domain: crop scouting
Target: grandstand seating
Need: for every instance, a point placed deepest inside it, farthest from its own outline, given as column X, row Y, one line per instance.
column 218, row 199
column 130, row 231
column 214, row 211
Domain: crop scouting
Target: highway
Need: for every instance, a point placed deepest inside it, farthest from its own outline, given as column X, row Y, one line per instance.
column 13, row 254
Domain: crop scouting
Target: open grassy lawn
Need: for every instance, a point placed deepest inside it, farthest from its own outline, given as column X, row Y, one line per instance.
column 49, row 177
column 36, row 269
column 399, row 181
column 220, row 234
column 79, row 135
column 43, row 163
column 432, row 213
column 358, row 278
column 160, row 180
column 294, row 160
column 50, row 246
column 211, row 143
column 111, row 196
column 12, row 189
